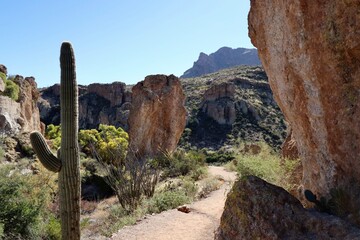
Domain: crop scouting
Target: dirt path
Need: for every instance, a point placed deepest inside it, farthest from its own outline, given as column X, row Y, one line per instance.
column 199, row 224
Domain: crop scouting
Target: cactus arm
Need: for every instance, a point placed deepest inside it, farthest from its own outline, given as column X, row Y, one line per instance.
column 42, row 150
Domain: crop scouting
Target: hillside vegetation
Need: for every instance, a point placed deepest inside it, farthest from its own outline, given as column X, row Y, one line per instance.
column 257, row 118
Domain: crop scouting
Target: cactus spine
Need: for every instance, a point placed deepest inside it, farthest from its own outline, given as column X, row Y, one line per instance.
column 68, row 164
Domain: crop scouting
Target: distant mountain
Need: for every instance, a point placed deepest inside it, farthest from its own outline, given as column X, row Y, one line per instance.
column 223, row 58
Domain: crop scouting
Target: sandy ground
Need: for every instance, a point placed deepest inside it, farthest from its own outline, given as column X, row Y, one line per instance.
column 200, row 224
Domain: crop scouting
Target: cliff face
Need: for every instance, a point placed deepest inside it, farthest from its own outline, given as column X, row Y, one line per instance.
column 157, row 116
column 311, row 53
column 98, row 103
column 21, row 115
column 219, row 104
column 223, row 58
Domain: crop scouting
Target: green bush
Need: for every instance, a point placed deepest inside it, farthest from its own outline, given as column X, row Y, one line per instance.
column 24, row 200
column 53, row 133
column 53, row 229
column 18, row 210
column 181, row 163
column 219, row 157
column 3, row 76
column 267, row 165
column 12, row 90
column 166, row 200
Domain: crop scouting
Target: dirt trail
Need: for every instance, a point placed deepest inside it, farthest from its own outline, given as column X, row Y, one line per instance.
column 200, row 224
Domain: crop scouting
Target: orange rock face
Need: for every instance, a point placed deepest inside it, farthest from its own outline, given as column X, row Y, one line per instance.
column 311, row 53
column 157, row 115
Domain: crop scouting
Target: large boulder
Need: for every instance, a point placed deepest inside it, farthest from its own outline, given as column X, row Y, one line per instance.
column 311, row 53
column 157, row 115
column 255, row 209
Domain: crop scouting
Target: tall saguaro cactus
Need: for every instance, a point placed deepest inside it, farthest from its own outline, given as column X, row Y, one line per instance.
column 67, row 161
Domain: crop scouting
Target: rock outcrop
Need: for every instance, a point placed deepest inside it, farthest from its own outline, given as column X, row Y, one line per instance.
column 3, row 69
column 157, row 116
column 21, row 115
column 98, row 103
column 219, row 103
column 223, row 58
column 311, row 53
column 255, row 209
column 235, row 103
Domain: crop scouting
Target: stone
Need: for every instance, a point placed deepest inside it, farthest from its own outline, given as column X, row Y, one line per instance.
column 3, row 69
column 255, row 209
column 219, row 103
column 157, row 116
column 184, row 209
column 310, row 51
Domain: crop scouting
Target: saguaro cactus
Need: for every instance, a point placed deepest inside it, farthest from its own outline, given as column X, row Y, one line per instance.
column 67, row 161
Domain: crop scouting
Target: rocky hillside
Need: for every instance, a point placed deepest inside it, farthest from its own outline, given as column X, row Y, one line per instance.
column 223, row 58
column 223, row 108
column 230, row 106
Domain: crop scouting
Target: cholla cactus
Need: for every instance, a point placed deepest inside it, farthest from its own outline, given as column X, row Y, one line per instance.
column 68, row 161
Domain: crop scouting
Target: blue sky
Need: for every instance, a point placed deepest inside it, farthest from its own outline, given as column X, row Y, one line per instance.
column 117, row 40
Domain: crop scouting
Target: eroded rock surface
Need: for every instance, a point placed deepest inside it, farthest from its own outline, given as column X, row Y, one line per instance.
column 219, row 103
column 21, row 115
column 157, row 115
column 311, row 53
column 98, row 103
column 255, row 209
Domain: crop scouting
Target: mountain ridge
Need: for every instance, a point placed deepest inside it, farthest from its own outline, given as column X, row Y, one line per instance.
column 223, row 58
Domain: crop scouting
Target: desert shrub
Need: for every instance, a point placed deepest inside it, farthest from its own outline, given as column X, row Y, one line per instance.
column 267, row 165
column 12, row 90
column 1, row 230
column 24, row 204
column 182, row 163
column 53, row 133
column 1, row 153
column 53, row 228
column 219, row 157
column 3, row 76
column 106, row 141
column 165, row 200
column 20, row 206
column 131, row 180
column 210, row 185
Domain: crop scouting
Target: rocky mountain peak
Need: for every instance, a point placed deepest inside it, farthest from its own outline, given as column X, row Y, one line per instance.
column 225, row 57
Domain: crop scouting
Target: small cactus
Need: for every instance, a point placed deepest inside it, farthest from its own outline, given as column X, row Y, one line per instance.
column 67, row 163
